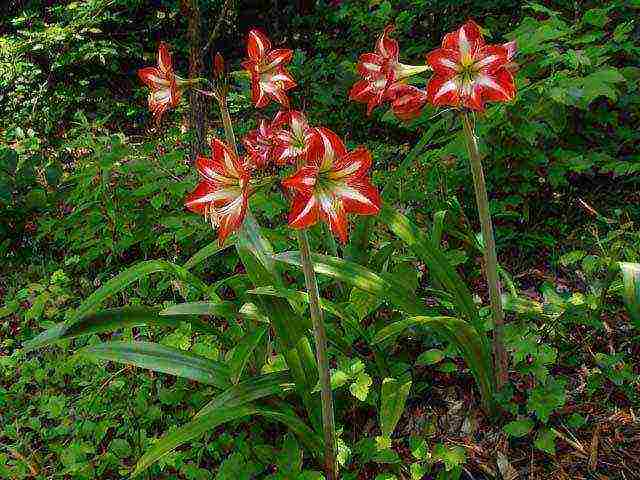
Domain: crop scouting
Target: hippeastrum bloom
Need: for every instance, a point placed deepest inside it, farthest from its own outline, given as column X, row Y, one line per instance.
column 269, row 79
column 262, row 142
column 331, row 185
column 468, row 73
column 407, row 100
column 165, row 85
column 380, row 70
column 223, row 192
column 293, row 143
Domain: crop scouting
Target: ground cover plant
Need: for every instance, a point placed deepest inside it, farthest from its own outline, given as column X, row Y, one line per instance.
column 218, row 264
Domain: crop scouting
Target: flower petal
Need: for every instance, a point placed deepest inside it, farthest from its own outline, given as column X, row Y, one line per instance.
column 164, row 58
column 304, row 211
column 490, row 58
column 332, row 212
column 408, row 101
column 277, row 57
column 444, row 62
column 386, row 46
column 466, row 39
column 303, row 181
column 359, row 197
column 370, row 65
column 354, row 164
column 153, row 77
column 443, row 91
column 257, row 45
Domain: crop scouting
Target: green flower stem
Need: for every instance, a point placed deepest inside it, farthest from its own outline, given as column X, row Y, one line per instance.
column 228, row 125
column 326, row 394
column 490, row 257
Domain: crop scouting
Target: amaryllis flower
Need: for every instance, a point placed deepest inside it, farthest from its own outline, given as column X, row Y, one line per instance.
column 269, row 79
column 380, row 70
column 408, row 100
column 261, row 142
column 165, row 85
column 294, row 142
column 468, row 73
column 331, row 185
column 223, row 192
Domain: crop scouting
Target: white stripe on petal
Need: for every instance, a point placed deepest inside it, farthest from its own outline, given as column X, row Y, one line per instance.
column 347, row 192
column 305, row 211
column 486, row 81
column 445, row 88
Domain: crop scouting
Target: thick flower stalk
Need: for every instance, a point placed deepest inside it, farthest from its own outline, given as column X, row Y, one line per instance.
column 166, row 87
column 468, row 73
column 383, row 79
column 270, row 80
column 224, row 189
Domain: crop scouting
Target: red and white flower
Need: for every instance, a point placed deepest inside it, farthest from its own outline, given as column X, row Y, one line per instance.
column 408, row 100
column 165, row 85
column 468, row 73
column 293, row 143
column 269, row 79
column 223, row 192
column 331, row 185
column 262, row 142
column 380, row 70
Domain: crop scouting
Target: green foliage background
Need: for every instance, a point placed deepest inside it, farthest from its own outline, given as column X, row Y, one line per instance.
column 88, row 186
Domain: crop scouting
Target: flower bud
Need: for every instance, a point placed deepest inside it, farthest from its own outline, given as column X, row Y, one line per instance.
column 218, row 65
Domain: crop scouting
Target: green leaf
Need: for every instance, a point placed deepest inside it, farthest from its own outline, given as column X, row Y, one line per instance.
column 452, row 457
column 631, row 293
column 130, row 275
column 430, row 357
column 243, row 351
column 250, row 390
column 519, row 428
column 256, row 254
column 161, row 358
column 359, row 277
column 204, row 423
column 217, row 309
column 297, row 297
column 208, row 251
column 113, row 319
column 545, row 398
column 393, row 398
column 546, row 441
column 435, row 259
column 360, row 387
column 465, row 337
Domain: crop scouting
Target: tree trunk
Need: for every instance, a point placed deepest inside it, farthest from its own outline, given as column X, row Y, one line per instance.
column 198, row 103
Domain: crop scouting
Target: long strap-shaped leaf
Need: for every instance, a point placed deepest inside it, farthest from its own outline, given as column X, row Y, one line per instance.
column 256, row 255
column 217, row 309
column 250, row 390
column 204, row 423
column 302, row 297
column 207, row 251
column 113, row 319
column 130, row 275
column 161, row 358
column 465, row 337
column 243, row 351
column 631, row 281
column 436, row 260
column 362, row 278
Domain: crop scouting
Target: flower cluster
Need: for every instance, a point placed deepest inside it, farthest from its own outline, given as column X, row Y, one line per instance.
column 466, row 73
column 326, row 181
